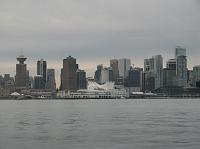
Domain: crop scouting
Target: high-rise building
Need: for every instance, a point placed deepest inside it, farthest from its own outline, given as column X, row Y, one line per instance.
column 1, row 80
column 103, row 74
column 179, row 51
column 169, row 74
column 31, row 82
column 190, row 78
column 158, row 67
column 115, row 70
column 51, row 81
column 196, row 75
column 134, row 78
column 21, row 78
column 81, row 79
column 153, row 73
column 61, row 79
column 124, row 66
column 6, row 77
column 181, row 66
column 110, row 74
column 148, row 76
column 39, row 82
column 42, row 69
column 97, row 75
column 169, row 77
column 7, row 85
column 148, row 65
column 28, row 83
column 69, row 76
column 171, row 64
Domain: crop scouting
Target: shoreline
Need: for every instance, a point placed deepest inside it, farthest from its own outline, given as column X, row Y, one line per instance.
column 159, row 97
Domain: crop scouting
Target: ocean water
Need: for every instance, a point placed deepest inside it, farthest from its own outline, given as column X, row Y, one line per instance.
column 100, row 124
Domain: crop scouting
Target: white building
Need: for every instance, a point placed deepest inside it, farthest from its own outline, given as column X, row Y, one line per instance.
column 95, row 91
column 104, row 76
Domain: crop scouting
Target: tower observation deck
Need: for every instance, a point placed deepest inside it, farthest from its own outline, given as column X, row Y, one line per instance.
column 21, row 58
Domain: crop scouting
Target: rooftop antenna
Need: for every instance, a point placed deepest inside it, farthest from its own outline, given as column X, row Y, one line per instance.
column 21, row 52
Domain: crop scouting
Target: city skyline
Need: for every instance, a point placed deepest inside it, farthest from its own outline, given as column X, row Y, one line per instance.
column 95, row 32
column 121, row 73
column 32, row 65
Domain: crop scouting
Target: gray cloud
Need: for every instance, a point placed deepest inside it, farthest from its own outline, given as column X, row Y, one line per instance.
column 96, row 30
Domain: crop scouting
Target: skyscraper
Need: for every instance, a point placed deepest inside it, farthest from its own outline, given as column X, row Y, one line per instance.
column 7, row 85
column 171, row 64
column 149, row 78
column 39, row 82
column 51, row 82
column 81, row 79
column 42, row 69
column 114, row 66
column 97, row 75
column 169, row 74
column 158, row 67
column 153, row 72
column 28, row 81
column 134, row 77
column 179, row 51
column 196, row 75
column 103, row 74
column 110, row 74
column 181, row 66
column 169, row 77
column 20, row 78
column 61, row 79
column 69, row 76
column 123, row 67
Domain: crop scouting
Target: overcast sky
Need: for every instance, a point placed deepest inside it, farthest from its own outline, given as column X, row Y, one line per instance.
column 95, row 31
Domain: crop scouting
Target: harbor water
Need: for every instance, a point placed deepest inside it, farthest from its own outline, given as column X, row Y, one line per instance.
column 100, row 124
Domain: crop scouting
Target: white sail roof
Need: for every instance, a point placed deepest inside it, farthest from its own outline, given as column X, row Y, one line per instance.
column 15, row 94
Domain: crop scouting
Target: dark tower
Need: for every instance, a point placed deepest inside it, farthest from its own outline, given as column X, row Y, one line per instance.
column 21, row 78
column 42, row 69
column 69, row 76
